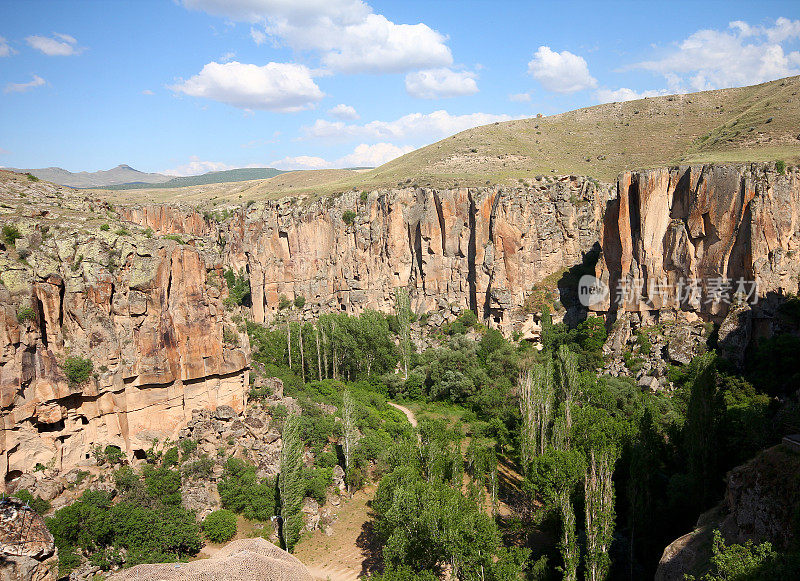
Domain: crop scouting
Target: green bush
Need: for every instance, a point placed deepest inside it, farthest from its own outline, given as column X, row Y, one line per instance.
column 105, row 227
column 780, row 166
column 122, row 232
column 77, row 369
column 11, row 234
column 284, row 303
column 220, row 526
column 31, row 177
column 299, row 301
column 26, row 314
column 243, row 492
column 37, row 503
column 349, row 217
column 238, row 288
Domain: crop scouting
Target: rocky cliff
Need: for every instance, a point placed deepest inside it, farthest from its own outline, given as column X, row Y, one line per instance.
column 147, row 312
column 670, row 228
column 463, row 248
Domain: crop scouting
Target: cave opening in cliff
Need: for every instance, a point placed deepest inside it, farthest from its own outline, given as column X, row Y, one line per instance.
column 42, row 321
column 43, row 428
column 140, row 454
column 12, row 475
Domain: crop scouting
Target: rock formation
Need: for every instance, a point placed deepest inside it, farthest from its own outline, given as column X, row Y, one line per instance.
column 147, row 312
column 240, row 560
column 464, row 248
column 760, row 504
column 668, row 228
column 27, row 548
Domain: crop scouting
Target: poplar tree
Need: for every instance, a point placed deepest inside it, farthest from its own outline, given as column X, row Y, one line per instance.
column 291, row 485
column 349, row 432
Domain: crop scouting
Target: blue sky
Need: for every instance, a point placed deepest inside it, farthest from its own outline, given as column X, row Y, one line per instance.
column 189, row 86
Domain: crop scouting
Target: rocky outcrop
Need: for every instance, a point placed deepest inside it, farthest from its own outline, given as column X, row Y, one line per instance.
column 27, row 549
column 147, row 312
column 463, row 248
column 760, row 504
column 240, row 560
column 669, row 227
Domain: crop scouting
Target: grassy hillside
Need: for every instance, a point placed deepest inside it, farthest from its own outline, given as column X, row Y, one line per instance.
column 756, row 123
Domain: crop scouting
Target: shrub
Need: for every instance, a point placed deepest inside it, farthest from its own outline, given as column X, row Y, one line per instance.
column 114, row 454
column 26, row 314
column 299, row 301
column 77, row 369
column 238, row 288
column 243, row 492
column 11, row 234
column 780, row 166
column 105, row 227
column 175, row 237
column 284, row 303
column 364, row 197
column 37, row 503
column 349, row 217
column 122, row 232
column 188, row 446
column 31, row 177
column 220, row 526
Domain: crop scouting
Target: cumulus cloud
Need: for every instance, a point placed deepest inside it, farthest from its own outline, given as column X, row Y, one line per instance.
column 57, row 45
column 301, row 162
column 349, row 36
column 373, row 155
column 626, row 94
column 196, row 166
column 37, row 81
column 416, row 126
column 520, row 97
column 561, row 72
column 364, row 155
column 148, row 92
column 5, row 48
column 440, row 83
column 742, row 55
column 343, row 111
column 281, row 87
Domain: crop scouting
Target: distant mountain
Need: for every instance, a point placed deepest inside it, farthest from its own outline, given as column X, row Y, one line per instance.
column 122, row 174
column 215, row 177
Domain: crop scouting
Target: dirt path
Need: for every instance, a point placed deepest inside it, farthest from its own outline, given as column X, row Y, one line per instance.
column 409, row 414
column 348, row 553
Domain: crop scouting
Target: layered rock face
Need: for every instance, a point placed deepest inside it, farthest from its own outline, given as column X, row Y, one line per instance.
column 670, row 228
column 464, row 248
column 27, row 549
column 146, row 312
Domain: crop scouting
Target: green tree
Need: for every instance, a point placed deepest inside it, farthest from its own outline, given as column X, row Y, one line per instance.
column 220, row 526
column 291, row 484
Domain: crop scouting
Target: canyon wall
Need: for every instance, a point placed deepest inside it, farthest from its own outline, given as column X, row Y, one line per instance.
column 452, row 249
column 669, row 227
column 147, row 312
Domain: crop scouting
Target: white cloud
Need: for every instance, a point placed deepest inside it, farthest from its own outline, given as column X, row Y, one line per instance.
column 259, row 37
column 417, row 126
column 196, row 167
column 363, row 155
column 5, row 48
column 372, row 155
column 562, row 72
column 148, row 92
column 625, row 94
column 228, row 56
column 301, row 162
column 520, row 97
column 281, row 87
column 37, row 81
column 342, row 111
column 743, row 55
column 349, row 36
column 440, row 83
column 59, row 45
